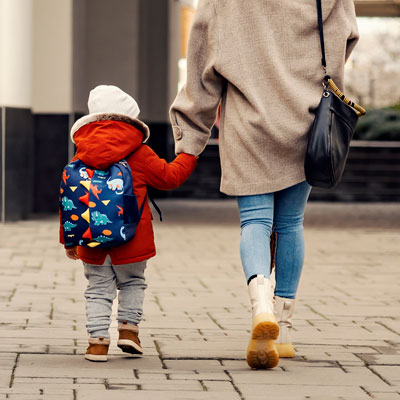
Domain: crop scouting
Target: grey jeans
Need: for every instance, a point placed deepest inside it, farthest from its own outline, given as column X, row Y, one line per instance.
column 103, row 282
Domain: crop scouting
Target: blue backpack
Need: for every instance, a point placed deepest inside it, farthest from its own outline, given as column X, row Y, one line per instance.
column 98, row 207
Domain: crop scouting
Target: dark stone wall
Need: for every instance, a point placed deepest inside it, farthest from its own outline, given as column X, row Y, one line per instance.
column 372, row 173
column 18, row 162
column 204, row 183
column 51, row 155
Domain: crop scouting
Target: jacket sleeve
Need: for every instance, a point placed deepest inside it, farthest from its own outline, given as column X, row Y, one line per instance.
column 354, row 35
column 166, row 176
column 194, row 110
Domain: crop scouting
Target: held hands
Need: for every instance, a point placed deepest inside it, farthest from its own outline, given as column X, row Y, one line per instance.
column 72, row 253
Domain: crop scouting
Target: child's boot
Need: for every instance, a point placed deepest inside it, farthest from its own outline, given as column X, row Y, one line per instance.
column 128, row 340
column 283, row 312
column 261, row 351
column 98, row 349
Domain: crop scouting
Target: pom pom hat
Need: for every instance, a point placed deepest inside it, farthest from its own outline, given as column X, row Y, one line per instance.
column 107, row 102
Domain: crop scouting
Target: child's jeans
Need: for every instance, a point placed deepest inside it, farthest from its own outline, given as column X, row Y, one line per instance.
column 104, row 280
column 281, row 212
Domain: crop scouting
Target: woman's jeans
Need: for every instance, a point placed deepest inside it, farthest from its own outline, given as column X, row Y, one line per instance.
column 281, row 212
column 103, row 282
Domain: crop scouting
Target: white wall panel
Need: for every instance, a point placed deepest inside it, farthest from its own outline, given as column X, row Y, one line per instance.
column 52, row 56
column 16, row 53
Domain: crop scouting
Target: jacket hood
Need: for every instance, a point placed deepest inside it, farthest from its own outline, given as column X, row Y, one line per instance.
column 101, row 116
column 102, row 143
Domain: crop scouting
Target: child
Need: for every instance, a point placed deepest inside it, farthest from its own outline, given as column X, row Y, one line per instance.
column 109, row 133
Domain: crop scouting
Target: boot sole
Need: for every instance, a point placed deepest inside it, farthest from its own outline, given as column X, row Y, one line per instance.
column 128, row 346
column 261, row 351
column 96, row 357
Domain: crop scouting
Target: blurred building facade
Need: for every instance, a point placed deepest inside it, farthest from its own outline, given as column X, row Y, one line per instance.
column 53, row 52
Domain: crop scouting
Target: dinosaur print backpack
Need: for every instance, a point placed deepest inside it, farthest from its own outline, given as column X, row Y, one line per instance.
column 98, row 207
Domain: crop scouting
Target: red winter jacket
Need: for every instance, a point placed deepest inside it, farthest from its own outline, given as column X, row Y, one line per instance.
column 102, row 143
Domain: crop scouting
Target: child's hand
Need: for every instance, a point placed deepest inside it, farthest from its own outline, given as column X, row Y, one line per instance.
column 72, row 253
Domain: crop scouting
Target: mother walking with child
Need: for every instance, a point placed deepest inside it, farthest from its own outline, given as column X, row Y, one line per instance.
column 261, row 60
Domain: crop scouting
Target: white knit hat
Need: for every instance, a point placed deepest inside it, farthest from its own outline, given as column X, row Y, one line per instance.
column 110, row 102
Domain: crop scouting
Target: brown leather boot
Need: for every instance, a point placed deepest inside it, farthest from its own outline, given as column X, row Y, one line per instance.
column 98, row 349
column 128, row 340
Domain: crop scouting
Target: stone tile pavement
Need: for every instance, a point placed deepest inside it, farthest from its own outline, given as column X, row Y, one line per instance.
column 197, row 314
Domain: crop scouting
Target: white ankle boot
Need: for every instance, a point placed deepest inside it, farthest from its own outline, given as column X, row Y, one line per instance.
column 261, row 351
column 284, row 312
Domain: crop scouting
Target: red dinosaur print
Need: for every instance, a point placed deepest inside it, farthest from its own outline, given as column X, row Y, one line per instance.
column 121, row 210
column 65, row 176
column 95, row 191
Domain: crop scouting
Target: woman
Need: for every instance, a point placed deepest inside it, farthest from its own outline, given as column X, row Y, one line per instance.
column 262, row 61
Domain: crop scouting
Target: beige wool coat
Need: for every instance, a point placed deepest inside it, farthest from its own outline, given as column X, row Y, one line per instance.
column 262, row 60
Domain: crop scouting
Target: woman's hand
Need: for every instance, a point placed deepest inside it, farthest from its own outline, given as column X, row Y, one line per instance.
column 72, row 253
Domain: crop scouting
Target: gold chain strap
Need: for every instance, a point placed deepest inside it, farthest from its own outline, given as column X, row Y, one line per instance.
column 359, row 110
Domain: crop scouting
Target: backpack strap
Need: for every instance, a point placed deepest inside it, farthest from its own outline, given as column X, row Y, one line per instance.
column 156, row 207
column 147, row 194
column 142, row 206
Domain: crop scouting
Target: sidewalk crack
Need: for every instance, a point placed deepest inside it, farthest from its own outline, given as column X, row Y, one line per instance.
column 237, row 390
column 12, row 294
column 160, row 356
column 386, row 327
column 157, row 301
column 370, row 367
column 13, row 371
column 316, row 312
column 215, row 321
column 366, row 391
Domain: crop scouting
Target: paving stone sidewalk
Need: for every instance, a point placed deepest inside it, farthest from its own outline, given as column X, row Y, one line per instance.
column 197, row 313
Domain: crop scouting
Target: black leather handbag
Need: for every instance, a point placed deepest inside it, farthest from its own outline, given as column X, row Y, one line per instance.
column 332, row 130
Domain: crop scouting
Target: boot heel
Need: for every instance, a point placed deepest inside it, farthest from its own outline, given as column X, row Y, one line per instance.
column 265, row 327
column 262, row 354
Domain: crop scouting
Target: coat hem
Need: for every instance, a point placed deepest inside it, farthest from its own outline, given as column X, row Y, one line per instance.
column 262, row 188
column 123, row 261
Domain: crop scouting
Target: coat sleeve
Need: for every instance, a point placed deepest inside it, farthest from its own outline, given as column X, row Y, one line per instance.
column 194, row 110
column 162, row 175
column 354, row 35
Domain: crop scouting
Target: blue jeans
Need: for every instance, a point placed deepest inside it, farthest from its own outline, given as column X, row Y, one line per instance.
column 281, row 212
column 103, row 282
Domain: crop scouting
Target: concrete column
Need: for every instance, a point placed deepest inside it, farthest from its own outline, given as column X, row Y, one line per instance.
column 106, row 46
column 180, row 21
column 15, row 53
column 154, row 65
column 153, row 60
column 52, row 57
column 15, row 103
column 174, row 48
column 52, row 100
